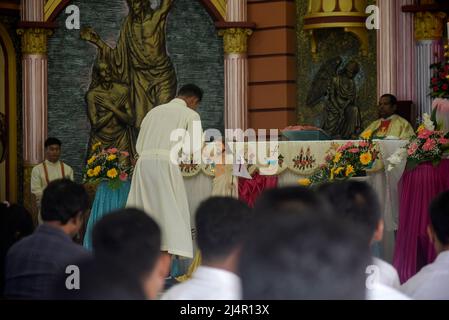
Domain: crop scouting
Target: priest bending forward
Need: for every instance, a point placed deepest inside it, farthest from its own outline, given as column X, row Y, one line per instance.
column 157, row 186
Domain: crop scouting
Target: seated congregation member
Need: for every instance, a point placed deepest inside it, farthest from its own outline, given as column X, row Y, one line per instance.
column 357, row 202
column 432, row 281
column 389, row 123
column 35, row 263
column 221, row 223
column 295, row 197
column 127, row 262
column 303, row 256
column 15, row 224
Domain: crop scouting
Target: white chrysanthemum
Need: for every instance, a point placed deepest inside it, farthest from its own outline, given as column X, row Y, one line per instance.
column 428, row 123
column 396, row 158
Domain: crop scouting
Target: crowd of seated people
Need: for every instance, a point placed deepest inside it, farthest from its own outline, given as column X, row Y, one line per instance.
column 297, row 243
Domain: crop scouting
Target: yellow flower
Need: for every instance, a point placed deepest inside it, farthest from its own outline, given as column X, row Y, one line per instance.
column 366, row 134
column 97, row 171
column 349, row 170
column 339, row 170
column 112, row 157
column 337, row 157
column 365, row 158
column 421, row 128
column 112, row 173
column 332, row 174
column 305, row 182
column 91, row 160
column 95, row 146
column 90, row 173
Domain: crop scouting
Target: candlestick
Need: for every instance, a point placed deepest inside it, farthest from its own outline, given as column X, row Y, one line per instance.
column 448, row 30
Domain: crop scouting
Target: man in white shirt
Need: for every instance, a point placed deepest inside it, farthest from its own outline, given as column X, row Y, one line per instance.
column 357, row 202
column 221, row 223
column 157, row 186
column 51, row 169
column 432, row 281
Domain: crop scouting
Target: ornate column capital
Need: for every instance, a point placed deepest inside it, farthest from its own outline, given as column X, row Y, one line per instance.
column 34, row 40
column 429, row 25
column 235, row 40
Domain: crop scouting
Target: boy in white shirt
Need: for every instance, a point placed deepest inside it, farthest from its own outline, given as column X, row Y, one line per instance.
column 357, row 202
column 432, row 281
column 221, row 223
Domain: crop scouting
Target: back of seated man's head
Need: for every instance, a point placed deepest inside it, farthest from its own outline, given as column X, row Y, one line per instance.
column 129, row 241
column 303, row 256
column 221, row 224
column 356, row 202
column 295, row 198
column 64, row 202
column 15, row 224
column 101, row 281
column 439, row 218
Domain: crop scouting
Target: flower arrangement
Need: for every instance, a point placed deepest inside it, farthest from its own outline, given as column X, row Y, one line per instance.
column 349, row 160
column 439, row 83
column 107, row 165
column 428, row 145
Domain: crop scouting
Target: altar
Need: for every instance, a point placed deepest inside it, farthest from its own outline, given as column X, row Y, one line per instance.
column 299, row 159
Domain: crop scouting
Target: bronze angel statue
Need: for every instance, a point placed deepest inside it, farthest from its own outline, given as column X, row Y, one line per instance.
column 336, row 88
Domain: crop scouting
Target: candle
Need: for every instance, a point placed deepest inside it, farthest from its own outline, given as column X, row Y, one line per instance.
column 448, row 30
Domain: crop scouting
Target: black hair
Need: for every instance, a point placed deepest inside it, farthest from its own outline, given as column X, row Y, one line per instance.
column 191, row 90
column 393, row 99
column 52, row 141
column 128, row 240
column 355, row 201
column 63, row 200
column 439, row 217
column 15, row 223
column 296, row 197
column 303, row 256
column 221, row 224
column 100, row 281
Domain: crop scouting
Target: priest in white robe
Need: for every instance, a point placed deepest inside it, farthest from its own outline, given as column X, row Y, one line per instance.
column 157, row 186
column 51, row 169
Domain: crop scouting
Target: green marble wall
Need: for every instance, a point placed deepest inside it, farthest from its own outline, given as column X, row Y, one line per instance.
column 192, row 42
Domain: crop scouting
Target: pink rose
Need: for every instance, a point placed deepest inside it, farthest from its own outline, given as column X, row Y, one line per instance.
column 425, row 134
column 363, row 144
column 125, row 153
column 112, row 150
column 354, row 150
column 443, row 141
column 412, row 149
column 429, row 145
column 123, row 176
column 345, row 146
